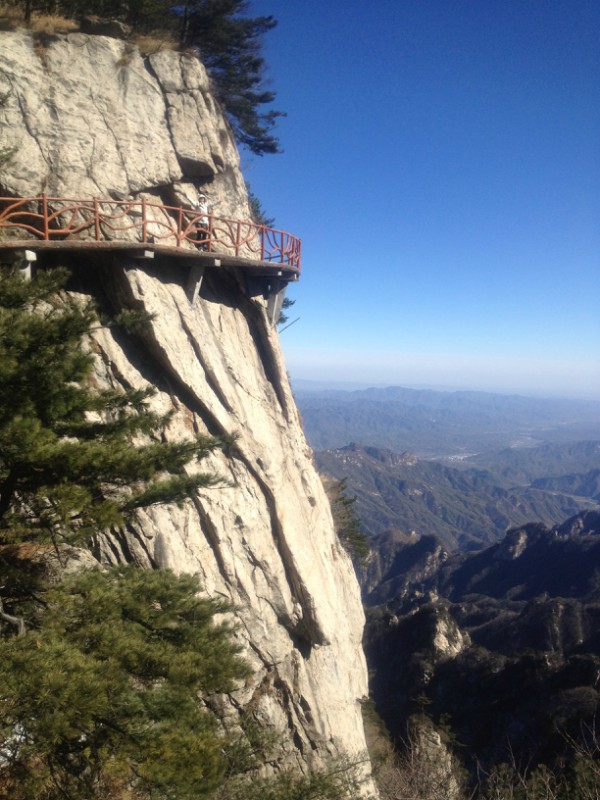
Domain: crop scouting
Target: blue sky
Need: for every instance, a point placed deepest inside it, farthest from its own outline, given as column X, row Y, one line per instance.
column 442, row 166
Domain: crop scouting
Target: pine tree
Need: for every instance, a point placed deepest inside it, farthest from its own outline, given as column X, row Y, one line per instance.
column 283, row 317
column 100, row 697
column 67, row 459
column 230, row 47
column 100, row 673
column 347, row 524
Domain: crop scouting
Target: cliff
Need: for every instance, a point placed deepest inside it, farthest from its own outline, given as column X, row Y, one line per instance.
column 88, row 116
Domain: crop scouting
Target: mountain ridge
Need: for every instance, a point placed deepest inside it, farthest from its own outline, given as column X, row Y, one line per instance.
column 516, row 675
column 463, row 508
column 442, row 424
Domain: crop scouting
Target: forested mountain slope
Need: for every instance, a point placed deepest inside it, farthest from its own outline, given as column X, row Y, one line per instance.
column 449, row 424
column 463, row 508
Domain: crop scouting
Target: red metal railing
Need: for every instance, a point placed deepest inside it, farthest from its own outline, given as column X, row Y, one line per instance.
column 54, row 219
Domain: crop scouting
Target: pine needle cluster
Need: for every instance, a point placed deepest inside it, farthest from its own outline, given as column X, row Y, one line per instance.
column 103, row 690
column 68, row 463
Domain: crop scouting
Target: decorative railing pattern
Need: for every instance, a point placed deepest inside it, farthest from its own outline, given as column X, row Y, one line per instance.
column 54, row 219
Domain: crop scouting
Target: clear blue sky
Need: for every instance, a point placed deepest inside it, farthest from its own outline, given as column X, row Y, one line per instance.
column 442, row 166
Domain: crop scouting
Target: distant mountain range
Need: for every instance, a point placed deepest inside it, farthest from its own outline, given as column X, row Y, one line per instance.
column 545, row 466
column 462, row 508
column 586, row 485
column 442, row 424
column 483, row 605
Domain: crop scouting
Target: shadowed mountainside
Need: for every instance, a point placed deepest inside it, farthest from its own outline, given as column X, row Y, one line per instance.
column 503, row 646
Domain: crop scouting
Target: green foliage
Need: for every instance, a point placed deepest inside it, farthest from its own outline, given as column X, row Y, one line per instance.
column 346, row 522
column 6, row 153
column 130, row 321
column 68, row 467
column 287, row 303
column 102, row 673
column 342, row 780
column 104, row 688
column 230, row 46
column 259, row 215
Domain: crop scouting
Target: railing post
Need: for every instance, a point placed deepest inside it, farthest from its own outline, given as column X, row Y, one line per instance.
column 144, row 223
column 97, row 230
column 179, row 226
column 262, row 233
column 238, row 236
column 45, row 213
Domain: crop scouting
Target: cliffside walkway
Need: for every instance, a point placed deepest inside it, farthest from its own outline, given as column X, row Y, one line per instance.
column 142, row 228
column 65, row 223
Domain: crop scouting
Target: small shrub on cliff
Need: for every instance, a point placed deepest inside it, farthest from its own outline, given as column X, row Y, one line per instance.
column 341, row 780
column 346, row 522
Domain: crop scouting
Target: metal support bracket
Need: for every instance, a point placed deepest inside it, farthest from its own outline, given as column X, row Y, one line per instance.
column 194, row 283
column 25, row 269
column 275, row 299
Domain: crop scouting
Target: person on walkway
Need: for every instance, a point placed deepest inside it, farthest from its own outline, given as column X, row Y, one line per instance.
column 203, row 207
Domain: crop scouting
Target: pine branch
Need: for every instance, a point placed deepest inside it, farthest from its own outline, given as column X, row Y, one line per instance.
column 19, row 622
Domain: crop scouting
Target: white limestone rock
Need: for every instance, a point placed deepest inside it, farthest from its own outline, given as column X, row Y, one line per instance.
column 448, row 640
column 89, row 116
column 90, row 121
column 265, row 540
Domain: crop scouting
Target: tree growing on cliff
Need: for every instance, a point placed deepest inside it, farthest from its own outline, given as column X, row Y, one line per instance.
column 68, row 463
column 101, row 672
column 228, row 40
column 230, row 46
column 101, row 696
column 347, row 524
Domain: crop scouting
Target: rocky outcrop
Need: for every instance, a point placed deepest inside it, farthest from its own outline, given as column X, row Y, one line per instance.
column 503, row 643
column 87, row 116
column 436, row 772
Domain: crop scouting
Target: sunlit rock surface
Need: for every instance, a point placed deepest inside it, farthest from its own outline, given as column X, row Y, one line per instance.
column 87, row 116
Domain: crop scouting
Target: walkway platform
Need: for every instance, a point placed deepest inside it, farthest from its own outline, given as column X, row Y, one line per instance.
column 140, row 229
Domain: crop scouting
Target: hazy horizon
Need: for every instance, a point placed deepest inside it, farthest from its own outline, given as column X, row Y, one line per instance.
column 342, row 369
column 308, row 384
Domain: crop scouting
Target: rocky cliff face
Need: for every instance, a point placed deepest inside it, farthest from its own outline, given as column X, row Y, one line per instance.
column 85, row 116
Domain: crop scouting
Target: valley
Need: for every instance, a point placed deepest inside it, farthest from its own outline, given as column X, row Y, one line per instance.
column 482, row 584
